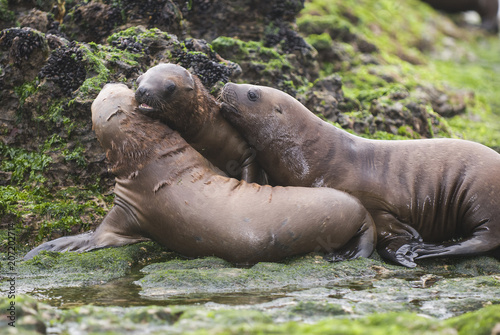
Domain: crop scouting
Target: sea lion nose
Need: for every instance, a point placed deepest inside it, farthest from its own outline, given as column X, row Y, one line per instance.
column 140, row 93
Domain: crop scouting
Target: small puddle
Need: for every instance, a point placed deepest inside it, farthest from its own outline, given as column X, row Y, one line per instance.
column 123, row 292
column 120, row 292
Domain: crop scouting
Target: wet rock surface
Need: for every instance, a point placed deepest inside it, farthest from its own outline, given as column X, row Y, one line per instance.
column 175, row 294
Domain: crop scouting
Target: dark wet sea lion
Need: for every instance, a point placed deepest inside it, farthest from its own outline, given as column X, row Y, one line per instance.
column 428, row 198
column 166, row 191
column 171, row 94
column 487, row 9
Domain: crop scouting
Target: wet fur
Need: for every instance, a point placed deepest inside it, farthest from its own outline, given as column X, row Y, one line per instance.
column 180, row 100
column 168, row 192
column 428, row 198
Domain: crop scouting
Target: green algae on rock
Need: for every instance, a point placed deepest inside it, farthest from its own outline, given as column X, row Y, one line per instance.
column 50, row 269
column 357, row 287
column 33, row 318
column 269, row 66
column 423, row 53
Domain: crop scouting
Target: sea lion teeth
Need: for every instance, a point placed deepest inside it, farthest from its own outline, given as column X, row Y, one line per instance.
column 145, row 107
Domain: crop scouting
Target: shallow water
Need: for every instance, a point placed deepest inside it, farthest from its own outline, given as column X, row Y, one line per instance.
column 429, row 294
column 123, row 292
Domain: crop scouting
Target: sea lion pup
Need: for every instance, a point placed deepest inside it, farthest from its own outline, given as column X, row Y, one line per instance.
column 171, row 94
column 487, row 9
column 166, row 191
column 428, row 198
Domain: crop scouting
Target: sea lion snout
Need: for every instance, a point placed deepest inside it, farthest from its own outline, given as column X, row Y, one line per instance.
column 229, row 94
column 141, row 92
column 143, row 97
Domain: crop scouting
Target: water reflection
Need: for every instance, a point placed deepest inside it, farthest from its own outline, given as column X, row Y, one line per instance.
column 124, row 293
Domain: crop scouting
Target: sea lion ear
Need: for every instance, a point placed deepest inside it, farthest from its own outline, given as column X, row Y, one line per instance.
column 192, row 82
column 278, row 109
column 138, row 80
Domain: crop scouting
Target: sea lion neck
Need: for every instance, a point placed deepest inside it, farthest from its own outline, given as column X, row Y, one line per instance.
column 295, row 154
column 132, row 148
column 201, row 114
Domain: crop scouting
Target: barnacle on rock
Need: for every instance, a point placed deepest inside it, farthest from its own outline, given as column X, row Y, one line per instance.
column 129, row 44
column 206, row 63
column 24, row 41
column 65, row 67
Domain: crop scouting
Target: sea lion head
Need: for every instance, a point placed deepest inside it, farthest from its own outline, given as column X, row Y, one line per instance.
column 112, row 106
column 168, row 92
column 271, row 121
column 261, row 114
column 130, row 139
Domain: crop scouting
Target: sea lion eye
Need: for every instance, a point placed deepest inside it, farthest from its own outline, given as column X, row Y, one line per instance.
column 170, row 87
column 252, row 96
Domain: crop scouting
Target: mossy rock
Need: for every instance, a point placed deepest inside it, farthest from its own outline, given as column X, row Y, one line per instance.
column 267, row 66
column 33, row 318
column 52, row 269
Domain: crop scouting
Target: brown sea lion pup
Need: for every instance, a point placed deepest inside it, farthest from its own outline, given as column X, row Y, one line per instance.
column 166, row 191
column 428, row 198
column 171, row 94
column 487, row 9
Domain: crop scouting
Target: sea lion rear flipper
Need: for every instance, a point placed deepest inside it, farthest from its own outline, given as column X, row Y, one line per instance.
column 396, row 240
column 481, row 242
column 114, row 231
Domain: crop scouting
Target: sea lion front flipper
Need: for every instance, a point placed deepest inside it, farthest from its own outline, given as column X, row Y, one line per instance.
column 396, row 240
column 114, row 231
column 251, row 171
column 76, row 243
column 360, row 245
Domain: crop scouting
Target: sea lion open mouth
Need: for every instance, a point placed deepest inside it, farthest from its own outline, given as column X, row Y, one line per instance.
column 145, row 108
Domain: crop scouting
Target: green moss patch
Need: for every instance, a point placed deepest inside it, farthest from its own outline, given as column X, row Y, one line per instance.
column 392, row 51
column 199, row 320
column 51, row 269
